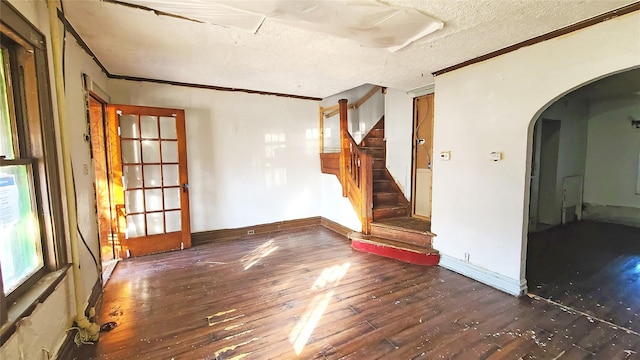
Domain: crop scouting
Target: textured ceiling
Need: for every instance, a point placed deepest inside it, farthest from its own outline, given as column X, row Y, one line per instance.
column 285, row 59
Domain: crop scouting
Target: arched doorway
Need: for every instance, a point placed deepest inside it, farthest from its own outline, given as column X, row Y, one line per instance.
column 583, row 247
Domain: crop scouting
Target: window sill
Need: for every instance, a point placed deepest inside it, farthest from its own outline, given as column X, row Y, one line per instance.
column 25, row 305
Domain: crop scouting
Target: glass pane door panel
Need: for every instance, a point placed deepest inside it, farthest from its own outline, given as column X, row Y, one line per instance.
column 20, row 251
column 170, row 175
column 151, row 173
column 135, row 225
column 130, row 151
column 129, row 126
column 133, row 201
column 150, row 151
column 172, row 198
column 155, row 223
column 168, row 128
column 132, row 176
column 153, row 199
column 173, row 220
column 149, row 127
column 170, row 151
column 152, row 176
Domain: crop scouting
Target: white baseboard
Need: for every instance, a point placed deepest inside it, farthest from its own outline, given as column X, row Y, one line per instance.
column 493, row 279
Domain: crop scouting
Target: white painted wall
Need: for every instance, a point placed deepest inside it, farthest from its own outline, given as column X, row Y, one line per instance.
column 45, row 327
column 572, row 113
column 480, row 207
column 398, row 130
column 335, row 207
column 612, row 160
column 252, row 159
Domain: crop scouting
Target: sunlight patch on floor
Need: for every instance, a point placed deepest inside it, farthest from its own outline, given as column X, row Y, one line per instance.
column 328, row 280
column 258, row 253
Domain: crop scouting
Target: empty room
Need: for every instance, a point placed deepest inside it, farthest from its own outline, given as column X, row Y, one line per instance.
column 273, row 179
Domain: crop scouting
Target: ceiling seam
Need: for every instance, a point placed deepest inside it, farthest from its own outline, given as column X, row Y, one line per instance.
column 67, row 25
column 547, row 36
column 157, row 12
column 211, row 87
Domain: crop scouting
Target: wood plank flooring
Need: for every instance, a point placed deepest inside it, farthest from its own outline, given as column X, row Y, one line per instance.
column 306, row 294
column 591, row 267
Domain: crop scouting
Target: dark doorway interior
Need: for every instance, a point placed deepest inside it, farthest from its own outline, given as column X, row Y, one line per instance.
column 591, row 267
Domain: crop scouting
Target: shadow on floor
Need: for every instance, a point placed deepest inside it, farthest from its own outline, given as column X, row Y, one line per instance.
column 589, row 266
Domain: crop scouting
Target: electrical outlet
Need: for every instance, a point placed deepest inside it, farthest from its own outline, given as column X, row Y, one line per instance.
column 251, row 232
column 466, row 257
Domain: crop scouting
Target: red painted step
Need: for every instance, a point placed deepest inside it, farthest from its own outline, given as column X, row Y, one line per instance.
column 391, row 249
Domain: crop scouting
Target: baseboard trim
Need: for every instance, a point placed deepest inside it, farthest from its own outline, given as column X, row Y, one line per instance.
column 66, row 349
column 335, row 227
column 622, row 215
column 205, row 237
column 95, row 297
column 493, row 279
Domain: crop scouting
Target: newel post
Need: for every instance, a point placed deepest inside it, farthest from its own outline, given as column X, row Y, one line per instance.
column 344, row 144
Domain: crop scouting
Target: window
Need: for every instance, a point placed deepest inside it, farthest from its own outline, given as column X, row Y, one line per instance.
column 31, row 233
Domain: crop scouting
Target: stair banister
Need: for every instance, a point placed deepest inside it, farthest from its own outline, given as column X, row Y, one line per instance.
column 344, row 144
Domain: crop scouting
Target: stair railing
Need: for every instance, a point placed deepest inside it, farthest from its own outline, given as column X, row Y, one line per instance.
column 356, row 172
column 352, row 165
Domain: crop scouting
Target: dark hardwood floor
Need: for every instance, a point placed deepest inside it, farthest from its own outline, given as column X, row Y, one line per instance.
column 306, row 294
column 591, row 267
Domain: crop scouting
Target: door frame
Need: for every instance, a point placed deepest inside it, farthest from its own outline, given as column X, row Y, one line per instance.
column 98, row 136
column 414, row 152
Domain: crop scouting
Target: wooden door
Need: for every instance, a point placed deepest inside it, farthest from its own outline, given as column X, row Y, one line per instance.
column 149, row 158
column 422, row 156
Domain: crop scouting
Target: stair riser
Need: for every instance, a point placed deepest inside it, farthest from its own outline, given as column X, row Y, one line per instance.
column 398, row 254
column 379, row 174
column 379, row 214
column 375, row 134
column 401, row 236
column 378, row 164
column 382, row 186
column 377, row 152
column 384, row 199
column 373, row 142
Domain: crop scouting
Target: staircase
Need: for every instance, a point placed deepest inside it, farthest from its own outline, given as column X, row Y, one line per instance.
column 388, row 200
column 387, row 228
column 393, row 233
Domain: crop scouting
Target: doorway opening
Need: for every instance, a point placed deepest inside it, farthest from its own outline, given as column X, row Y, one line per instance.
column 584, row 211
column 422, row 156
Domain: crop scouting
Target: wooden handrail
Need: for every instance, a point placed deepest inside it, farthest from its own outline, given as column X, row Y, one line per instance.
column 329, row 111
column 356, row 173
column 344, row 143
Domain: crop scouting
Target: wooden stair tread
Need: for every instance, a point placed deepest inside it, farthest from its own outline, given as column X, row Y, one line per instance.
column 391, row 206
column 408, row 224
column 368, row 239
